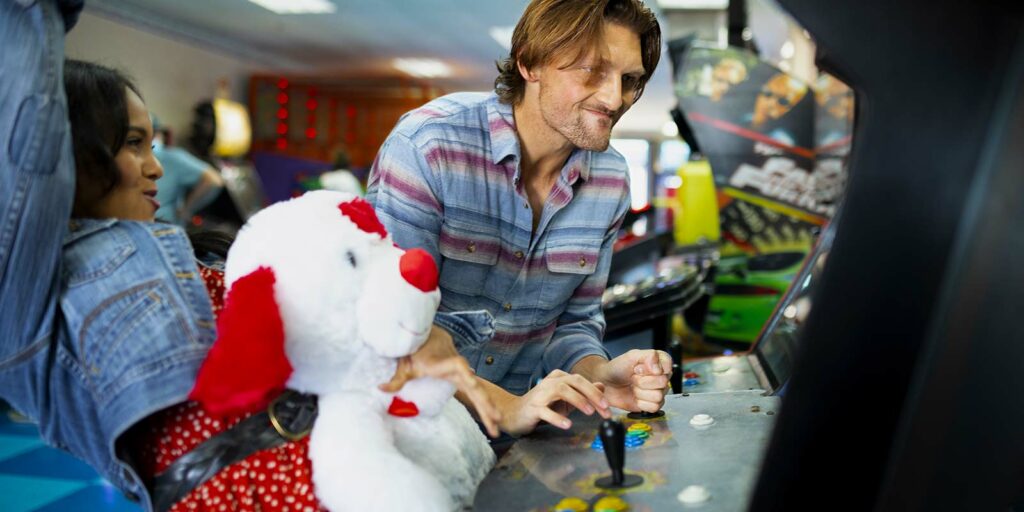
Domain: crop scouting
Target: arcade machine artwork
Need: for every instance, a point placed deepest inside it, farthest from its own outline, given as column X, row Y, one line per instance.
column 776, row 146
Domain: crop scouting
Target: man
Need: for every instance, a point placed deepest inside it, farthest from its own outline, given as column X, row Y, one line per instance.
column 518, row 198
column 188, row 184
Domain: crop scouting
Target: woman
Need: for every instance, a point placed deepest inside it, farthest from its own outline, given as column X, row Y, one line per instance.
column 110, row 312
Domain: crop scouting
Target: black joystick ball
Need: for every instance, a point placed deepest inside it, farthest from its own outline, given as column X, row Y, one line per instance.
column 613, row 436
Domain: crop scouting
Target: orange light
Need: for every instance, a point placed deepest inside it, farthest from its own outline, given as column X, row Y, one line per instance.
column 282, row 113
column 310, row 133
column 282, row 128
column 282, row 143
column 282, row 83
column 311, row 104
column 282, row 98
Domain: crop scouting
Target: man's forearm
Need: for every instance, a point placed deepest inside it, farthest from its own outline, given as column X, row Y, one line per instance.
column 591, row 368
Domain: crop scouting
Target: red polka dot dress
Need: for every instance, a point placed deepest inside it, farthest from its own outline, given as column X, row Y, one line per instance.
column 276, row 479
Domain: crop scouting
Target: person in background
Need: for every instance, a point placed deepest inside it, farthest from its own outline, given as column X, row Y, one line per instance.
column 518, row 197
column 188, row 184
column 341, row 178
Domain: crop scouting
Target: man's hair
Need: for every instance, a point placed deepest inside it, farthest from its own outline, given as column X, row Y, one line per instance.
column 552, row 28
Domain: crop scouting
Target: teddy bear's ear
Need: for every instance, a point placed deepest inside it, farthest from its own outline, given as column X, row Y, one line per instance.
column 247, row 366
column 360, row 211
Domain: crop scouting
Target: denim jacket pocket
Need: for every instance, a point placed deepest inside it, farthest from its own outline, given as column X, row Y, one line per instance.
column 130, row 335
column 469, row 252
column 568, row 263
column 88, row 258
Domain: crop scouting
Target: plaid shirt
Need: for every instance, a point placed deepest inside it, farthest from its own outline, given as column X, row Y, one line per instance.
column 447, row 180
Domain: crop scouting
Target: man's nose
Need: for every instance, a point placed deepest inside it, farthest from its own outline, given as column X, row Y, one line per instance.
column 609, row 93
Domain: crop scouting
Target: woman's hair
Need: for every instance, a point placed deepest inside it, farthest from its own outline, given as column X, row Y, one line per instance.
column 553, row 28
column 98, row 112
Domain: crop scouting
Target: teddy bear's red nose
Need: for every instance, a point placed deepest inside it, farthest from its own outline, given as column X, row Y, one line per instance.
column 418, row 268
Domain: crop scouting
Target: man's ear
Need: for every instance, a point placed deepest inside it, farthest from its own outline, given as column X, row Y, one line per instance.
column 527, row 74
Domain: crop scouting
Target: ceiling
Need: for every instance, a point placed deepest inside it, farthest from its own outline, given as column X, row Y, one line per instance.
column 362, row 37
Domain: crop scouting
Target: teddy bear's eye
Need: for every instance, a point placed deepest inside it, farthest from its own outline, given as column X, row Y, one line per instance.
column 351, row 258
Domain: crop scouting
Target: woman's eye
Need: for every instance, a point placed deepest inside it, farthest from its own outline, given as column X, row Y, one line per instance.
column 351, row 258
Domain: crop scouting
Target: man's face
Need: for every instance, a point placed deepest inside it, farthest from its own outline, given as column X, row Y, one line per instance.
column 584, row 100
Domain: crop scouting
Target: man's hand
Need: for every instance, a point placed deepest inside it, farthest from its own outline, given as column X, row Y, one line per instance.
column 438, row 358
column 552, row 400
column 635, row 381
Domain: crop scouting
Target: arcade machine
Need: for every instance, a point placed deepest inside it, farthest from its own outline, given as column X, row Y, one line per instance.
column 702, row 451
column 221, row 129
column 903, row 382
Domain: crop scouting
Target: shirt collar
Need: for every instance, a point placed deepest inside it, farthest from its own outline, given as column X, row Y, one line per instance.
column 502, row 127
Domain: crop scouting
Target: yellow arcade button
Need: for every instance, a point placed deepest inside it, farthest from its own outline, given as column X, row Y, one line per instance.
column 640, row 426
column 571, row 504
column 611, row 504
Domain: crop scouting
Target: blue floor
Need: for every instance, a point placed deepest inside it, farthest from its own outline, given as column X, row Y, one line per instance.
column 35, row 477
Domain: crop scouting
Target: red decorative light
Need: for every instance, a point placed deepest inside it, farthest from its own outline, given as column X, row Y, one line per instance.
column 282, row 98
column 350, row 111
column 282, row 128
column 310, row 133
column 282, row 83
column 311, row 104
column 350, row 137
column 282, row 113
column 282, row 143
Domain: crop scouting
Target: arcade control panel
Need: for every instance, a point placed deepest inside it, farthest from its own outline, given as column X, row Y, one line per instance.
column 703, row 452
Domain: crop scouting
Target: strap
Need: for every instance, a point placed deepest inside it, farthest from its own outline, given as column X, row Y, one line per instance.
column 288, row 418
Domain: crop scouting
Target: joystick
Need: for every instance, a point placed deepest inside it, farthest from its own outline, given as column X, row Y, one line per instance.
column 613, row 436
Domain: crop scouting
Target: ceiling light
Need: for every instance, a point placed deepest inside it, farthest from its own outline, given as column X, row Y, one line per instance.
column 422, row 68
column 694, row 4
column 296, row 6
column 503, row 35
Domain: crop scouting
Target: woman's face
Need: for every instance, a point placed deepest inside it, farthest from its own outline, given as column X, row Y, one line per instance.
column 134, row 197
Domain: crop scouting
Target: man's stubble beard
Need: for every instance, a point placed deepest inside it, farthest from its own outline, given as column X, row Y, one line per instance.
column 571, row 125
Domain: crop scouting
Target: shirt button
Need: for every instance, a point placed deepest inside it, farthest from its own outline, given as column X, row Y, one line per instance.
column 489, row 360
column 583, row 262
column 519, row 255
column 508, row 306
column 471, row 247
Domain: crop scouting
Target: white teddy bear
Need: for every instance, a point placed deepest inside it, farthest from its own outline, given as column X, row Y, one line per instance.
column 321, row 300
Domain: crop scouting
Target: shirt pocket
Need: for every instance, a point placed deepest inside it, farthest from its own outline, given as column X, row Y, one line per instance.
column 470, row 251
column 568, row 264
column 132, row 334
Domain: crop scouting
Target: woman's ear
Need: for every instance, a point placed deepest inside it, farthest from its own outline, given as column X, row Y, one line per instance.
column 247, row 366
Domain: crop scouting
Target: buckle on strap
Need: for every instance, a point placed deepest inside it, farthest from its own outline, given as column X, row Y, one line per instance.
column 292, row 414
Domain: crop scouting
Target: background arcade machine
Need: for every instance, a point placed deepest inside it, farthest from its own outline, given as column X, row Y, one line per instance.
column 222, row 134
column 776, row 147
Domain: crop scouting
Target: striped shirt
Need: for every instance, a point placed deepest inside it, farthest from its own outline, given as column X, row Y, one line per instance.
column 447, row 180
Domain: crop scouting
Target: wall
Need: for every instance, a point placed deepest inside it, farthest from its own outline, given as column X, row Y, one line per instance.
column 172, row 75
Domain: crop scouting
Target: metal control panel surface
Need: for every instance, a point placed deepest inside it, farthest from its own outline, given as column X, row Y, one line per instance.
column 721, row 458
